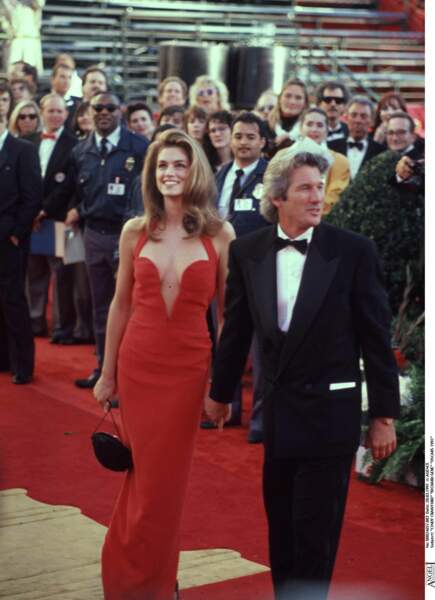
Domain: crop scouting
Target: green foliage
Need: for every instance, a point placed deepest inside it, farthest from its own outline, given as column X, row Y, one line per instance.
column 391, row 217
column 410, row 437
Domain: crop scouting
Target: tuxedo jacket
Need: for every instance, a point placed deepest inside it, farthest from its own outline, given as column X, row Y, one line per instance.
column 21, row 187
column 312, row 395
column 56, row 196
column 373, row 148
column 245, row 221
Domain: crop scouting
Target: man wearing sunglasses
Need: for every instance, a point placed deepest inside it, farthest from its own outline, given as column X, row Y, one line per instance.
column 332, row 97
column 103, row 167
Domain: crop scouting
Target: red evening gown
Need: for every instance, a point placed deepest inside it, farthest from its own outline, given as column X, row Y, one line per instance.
column 163, row 368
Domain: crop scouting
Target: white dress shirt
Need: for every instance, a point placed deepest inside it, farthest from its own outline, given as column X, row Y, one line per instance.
column 355, row 156
column 46, row 148
column 227, row 188
column 112, row 139
column 289, row 267
column 3, row 137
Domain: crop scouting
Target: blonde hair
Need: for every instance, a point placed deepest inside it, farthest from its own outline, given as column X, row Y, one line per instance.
column 13, row 119
column 51, row 96
column 277, row 177
column 200, row 216
column 275, row 115
column 220, row 86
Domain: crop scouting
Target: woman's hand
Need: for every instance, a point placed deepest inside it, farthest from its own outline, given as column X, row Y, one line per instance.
column 380, row 133
column 104, row 391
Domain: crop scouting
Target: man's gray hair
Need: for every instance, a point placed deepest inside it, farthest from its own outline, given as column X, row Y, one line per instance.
column 361, row 99
column 277, row 178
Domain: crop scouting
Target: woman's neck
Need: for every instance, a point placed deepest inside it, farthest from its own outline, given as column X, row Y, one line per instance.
column 224, row 154
column 174, row 212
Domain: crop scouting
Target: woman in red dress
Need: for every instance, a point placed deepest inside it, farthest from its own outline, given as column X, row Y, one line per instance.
column 173, row 261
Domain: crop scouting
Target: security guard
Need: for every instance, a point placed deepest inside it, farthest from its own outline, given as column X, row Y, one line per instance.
column 102, row 169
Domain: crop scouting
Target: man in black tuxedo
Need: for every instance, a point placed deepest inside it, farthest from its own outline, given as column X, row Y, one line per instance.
column 358, row 146
column 332, row 97
column 72, row 309
column 313, row 294
column 20, row 200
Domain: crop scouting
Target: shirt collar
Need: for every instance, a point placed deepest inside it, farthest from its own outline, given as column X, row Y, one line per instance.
column 364, row 141
column 306, row 235
column 336, row 129
column 3, row 137
column 113, row 138
column 407, row 149
column 246, row 170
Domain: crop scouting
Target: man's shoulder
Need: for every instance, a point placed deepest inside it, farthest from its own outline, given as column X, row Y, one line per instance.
column 338, row 145
column 338, row 237
column 223, row 171
column 262, row 165
column 20, row 146
column 136, row 142
column 253, row 240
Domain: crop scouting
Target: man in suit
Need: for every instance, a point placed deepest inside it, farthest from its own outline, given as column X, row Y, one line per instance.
column 239, row 186
column 332, row 97
column 313, row 294
column 71, row 298
column 358, row 146
column 386, row 202
column 20, row 200
column 102, row 170
column 61, row 78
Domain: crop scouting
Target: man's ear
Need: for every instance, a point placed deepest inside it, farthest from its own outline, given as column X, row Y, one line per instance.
column 277, row 202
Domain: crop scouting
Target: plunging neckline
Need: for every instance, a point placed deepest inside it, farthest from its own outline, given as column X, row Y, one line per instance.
column 194, row 262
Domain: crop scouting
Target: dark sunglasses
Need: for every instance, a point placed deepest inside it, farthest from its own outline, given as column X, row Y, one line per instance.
column 32, row 117
column 100, row 107
column 266, row 107
column 329, row 99
column 206, row 92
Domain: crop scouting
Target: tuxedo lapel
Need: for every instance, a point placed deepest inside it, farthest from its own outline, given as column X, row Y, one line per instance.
column 262, row 274
column 58, row 155
column 316, row 279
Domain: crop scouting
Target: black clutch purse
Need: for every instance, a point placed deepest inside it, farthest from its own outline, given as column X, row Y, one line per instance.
column 109, row 450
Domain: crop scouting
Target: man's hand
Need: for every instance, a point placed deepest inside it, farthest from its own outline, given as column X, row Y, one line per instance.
column 381, row 437
column 14, row 240
column 37, row 220
column 404, row 168
column 217, row 412
column 72, row 216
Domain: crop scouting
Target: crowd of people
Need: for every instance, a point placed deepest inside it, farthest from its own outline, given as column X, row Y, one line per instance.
column 157, row 198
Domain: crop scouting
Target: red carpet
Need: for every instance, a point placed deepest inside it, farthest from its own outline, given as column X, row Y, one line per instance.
column 45, row 448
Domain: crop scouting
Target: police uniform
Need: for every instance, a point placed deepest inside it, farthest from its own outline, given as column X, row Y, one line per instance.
column 103, row 173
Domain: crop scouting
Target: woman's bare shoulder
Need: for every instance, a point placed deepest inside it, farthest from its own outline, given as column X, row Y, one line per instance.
column 133, row 228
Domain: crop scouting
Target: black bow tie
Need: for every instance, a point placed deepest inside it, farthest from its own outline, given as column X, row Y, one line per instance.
column 300, row 245
column 358, row 145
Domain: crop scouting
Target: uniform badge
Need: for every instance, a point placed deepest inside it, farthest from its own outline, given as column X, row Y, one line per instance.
column 129, row 163
column 258, row 191
column 59, row 177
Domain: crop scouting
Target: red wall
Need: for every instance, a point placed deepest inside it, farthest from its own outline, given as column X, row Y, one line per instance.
column 416, row 15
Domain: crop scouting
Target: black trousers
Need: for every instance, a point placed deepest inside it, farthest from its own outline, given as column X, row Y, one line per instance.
column 305, row 501
column 15, row 326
